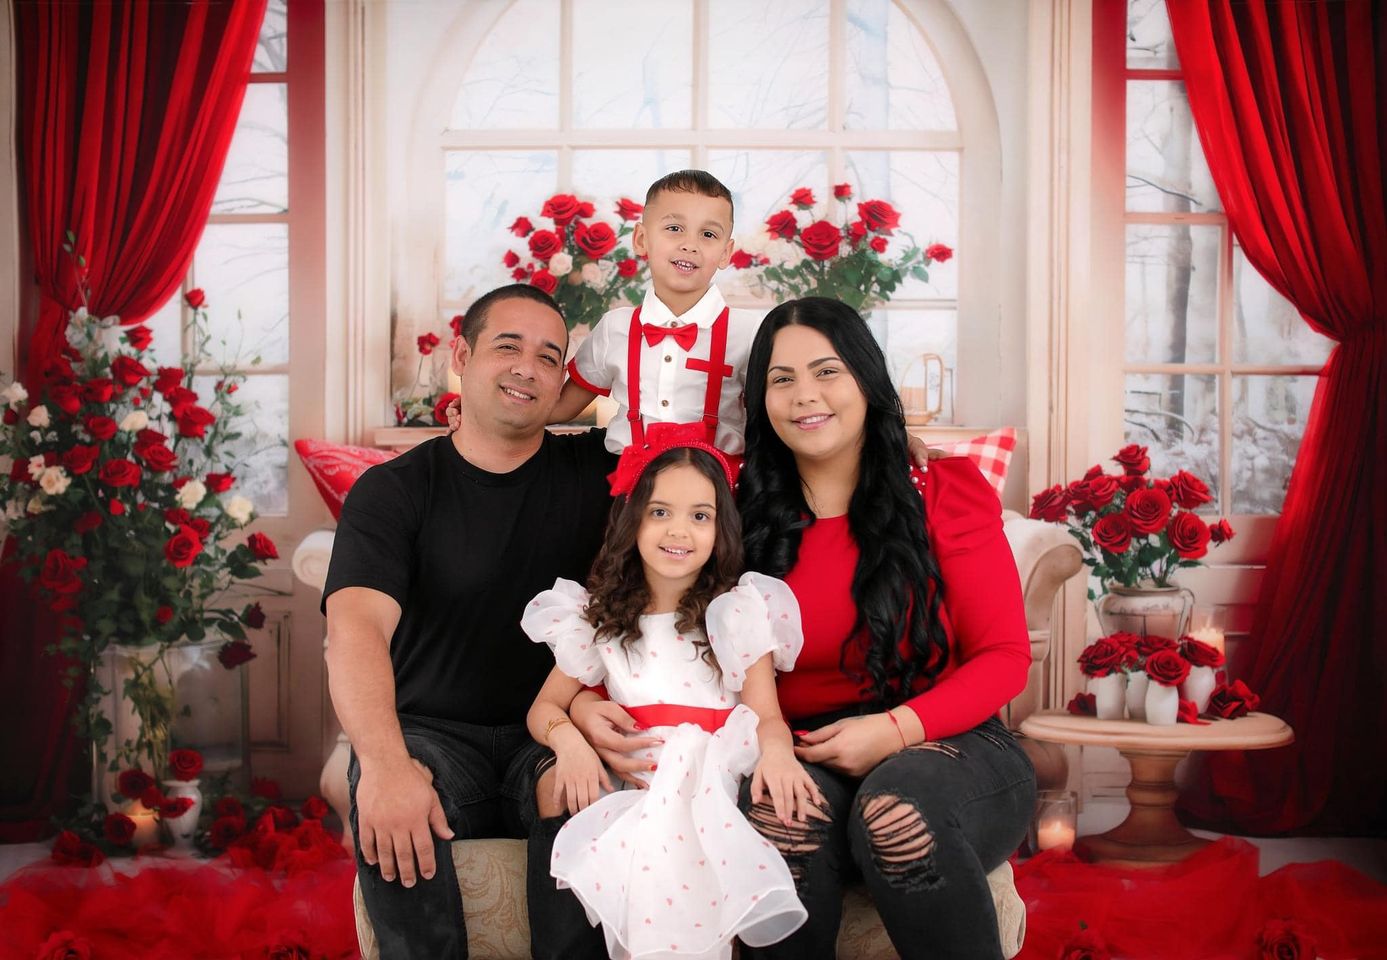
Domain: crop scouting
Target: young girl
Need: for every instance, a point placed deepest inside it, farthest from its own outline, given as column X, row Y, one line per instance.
column 691, row 651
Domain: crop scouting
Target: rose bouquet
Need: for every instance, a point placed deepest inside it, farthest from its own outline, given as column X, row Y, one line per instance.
column 422, row 403
column 122, row 512
column 800, row 253
column 1134, row 529
column 584, row 264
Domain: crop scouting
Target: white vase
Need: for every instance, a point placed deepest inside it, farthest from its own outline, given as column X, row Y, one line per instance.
column 1137, row 682
column 1162, row 704
column 1145, row 611
column 182, row 829
column 1109, row 695
column 1199, row 686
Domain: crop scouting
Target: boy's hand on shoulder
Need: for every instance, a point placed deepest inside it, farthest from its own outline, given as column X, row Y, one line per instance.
column 920, row 454
column 453, row 411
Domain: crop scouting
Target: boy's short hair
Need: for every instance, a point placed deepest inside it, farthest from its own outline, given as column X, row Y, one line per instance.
column 475, row 318
column 691, row 181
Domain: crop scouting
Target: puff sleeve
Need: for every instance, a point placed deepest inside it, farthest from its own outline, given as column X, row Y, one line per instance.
column 555, row 617
column 756, row 617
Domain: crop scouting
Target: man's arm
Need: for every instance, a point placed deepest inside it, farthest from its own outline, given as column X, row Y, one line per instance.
column 396, row 803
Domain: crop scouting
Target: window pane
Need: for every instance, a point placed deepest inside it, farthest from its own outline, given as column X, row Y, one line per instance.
column 893, row 78
column 605, row 176
column 483, row 195
column 1269, row 415
column 1175, row 416
column 256, row 176
column 1172, row 293
column 1165, row 164
column 272, row 49
column 924, row 188
column 768, row 64
column 513, row 80
column 244, row 269
column 632, row 63
column 906, row 336
column 260, row 457
column 1266, row 327
column 166, row 349
column 761, row 181
column 1149, row 43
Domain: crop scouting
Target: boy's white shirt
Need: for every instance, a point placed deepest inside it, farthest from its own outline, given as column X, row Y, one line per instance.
column 669, row 391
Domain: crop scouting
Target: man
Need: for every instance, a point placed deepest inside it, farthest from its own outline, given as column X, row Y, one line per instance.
column 436, row 554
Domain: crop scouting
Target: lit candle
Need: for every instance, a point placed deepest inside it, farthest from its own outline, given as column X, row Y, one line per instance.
column 1213, row 636
column 1054, row 835
column 146, row 825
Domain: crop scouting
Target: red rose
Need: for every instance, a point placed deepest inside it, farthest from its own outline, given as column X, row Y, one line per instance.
column 262, row 546
column 1113, row 533
column 225, row 831
column 233, row 653
column 803, row 198
column 782, row 224
column 163, row 615
column 1151, row 644
column 65, row 945
column 59, row 572
column 116, row 507
column 878, row 244
column 264, row 787
column 118, row 828
column 132, row 783
column 521, row 227
column 1049, row 505
column 544, row 244
column 168, row 378
column 127, row 370
column 152, row 798
column 596, row 240
column 98, row 390
column 66, row 397
column 545, row 281
column 1083, row 705
column 284, row 818
column 857, row 232
column 1167, row 668
column 879, row 216
column 1187, row 712
column 71, row 850
column 1087, row 945
column 183, row 547
column 1147, row 510
column 185, row 764
column 821, row 240
column 1188, row 535
column 740, row 260
column 455, row 324
column 938, row 252
column 426, row 343
column 628, row 209
column 1232, row 700
column 88, row 522
column 219, row 482
column 138, row 337
column 510, row 259
column 518, row 275
column 1199, row 653
column 1133, row 459
column 842, row 191
column 80, row 459
column 440, row 409
column 229, row 807
column 101, row 428
column 193, row 420
column 314, row 808
column 10, row 417
column 253, row 616
column 1221, row 532
column 177, row 516
column 1285, row 940
column 1100, row 658
column 1188, row 491
column 1100, row 490
column 628, row 267
column 174, row 807
column 158, row 458
column 195, row 297
column 562, row 208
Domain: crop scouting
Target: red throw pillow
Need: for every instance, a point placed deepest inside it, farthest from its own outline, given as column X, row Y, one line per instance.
column 334, row 467
column 991, row 452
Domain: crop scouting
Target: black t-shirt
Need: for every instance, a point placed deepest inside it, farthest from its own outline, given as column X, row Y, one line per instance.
column 462, row 551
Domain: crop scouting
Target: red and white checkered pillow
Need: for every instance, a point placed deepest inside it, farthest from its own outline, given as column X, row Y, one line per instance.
column 991, row 452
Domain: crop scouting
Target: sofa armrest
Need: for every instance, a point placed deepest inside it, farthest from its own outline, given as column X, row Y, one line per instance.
column 1046, row 556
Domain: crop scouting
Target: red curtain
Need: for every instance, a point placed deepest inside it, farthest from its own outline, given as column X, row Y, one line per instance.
column 126, row 112
column 1290, row 101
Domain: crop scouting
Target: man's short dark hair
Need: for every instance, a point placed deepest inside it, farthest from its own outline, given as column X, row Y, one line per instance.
column 690, row 181
column 475, row 317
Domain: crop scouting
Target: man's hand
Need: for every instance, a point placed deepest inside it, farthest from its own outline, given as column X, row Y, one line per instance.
column 397, row 814
column 921, row 455
column 578, row 774
column 613, row 733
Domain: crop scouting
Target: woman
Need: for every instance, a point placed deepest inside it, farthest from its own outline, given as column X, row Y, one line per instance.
column 915, row 636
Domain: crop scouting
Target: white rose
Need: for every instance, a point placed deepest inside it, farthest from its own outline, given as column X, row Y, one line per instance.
column 54, row 481
column 135, row 421
column 756, row 243
column 240, row 510
column 38, row 417
column 560, row 264
column 191, row 494
column 592, row 275
column 15, row 394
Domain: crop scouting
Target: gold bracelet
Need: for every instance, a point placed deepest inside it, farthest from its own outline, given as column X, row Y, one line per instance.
column 554, row 722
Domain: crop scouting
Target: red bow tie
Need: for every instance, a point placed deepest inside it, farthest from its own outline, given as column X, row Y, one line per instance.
column 684, row 336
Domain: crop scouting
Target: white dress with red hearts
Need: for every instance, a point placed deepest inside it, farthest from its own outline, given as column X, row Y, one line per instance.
column 676, row 870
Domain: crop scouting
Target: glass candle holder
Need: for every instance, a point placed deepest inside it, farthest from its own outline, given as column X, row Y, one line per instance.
column 1056, row 822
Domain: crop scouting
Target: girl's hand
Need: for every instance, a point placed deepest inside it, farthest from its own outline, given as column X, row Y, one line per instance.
column 793, row 791
column 453, row 411
column 578, row 774
column 852, row 746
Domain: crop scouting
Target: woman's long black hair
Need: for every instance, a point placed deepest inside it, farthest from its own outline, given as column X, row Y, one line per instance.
column 896, row 586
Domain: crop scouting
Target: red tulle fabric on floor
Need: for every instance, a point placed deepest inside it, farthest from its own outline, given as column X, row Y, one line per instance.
column 1212, row 906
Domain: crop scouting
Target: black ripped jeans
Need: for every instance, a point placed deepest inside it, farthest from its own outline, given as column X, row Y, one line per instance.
column 923, row 829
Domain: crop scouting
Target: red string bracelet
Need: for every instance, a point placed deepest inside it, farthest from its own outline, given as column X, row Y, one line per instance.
column 897, row 724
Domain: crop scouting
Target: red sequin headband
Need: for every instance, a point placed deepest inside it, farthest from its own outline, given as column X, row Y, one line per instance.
column 659, row 438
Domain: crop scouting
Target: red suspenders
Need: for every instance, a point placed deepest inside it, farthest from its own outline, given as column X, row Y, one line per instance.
column 715, row 366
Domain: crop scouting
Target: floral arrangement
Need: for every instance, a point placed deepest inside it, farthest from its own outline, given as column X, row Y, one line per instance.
column 1168, row 663
column 1134, row 529
column 122, row 507
column 584, row 264
column 802, row 252
column 422, row 403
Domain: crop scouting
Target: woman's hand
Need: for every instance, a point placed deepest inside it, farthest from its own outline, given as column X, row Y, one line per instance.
column 612, row 733
column 852, row 746
column 578, row 773
column 793, row 791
